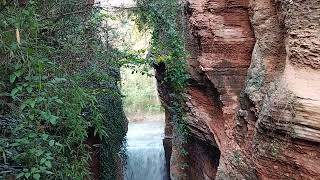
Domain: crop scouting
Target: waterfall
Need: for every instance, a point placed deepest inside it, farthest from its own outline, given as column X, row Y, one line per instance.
column 145, row 153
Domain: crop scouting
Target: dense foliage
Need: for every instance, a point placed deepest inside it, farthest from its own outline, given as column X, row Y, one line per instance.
column 59, row 80
column 167, row 44
column 140, row 93
column 164, row 19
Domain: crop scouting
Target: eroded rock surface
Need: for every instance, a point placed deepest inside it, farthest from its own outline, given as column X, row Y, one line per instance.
column 253, row 104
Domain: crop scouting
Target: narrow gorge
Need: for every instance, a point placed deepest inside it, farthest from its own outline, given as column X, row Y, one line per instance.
column 160, row 89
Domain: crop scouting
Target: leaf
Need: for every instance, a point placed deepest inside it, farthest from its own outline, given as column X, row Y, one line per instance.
column 58, row 80
column 27, row 175
column 29, row 89
column 59, row 101
column 40, row 99
column 49, row 117
column 31, row 116
column 45, row 136
column 12, row 78
column 15, row 144
column 42, row 160
column 36, row 176
column 50, row 157
column 32, row 135
column 39, row 153
column 18, row 73
column 32, row 103
column 20, row 175
column 58, row 144
column 48, row 172
column 51, row 142
column 33, row 170
column 23, row 106
column 17, row 66
column 14, row 92
column 53, row 119
column 48, row 164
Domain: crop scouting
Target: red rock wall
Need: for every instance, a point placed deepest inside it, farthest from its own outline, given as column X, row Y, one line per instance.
column 253, row 101
column 286, row 56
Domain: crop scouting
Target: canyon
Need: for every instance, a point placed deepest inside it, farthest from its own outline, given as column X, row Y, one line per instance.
column 248, row 107
column 252, row 104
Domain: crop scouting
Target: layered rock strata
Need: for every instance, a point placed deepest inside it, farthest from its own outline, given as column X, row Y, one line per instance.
column 253, row 104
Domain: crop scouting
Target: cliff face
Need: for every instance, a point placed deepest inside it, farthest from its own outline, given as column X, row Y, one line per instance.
column 253, row 106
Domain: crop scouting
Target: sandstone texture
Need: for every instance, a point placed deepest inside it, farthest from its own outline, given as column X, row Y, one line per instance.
column 253, row 104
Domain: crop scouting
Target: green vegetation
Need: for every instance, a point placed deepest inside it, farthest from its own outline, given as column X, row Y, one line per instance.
column 137, row 77
column 140, row 93
column 167, row 43
column 164, row 19
column 167, row 47
column 58, row 80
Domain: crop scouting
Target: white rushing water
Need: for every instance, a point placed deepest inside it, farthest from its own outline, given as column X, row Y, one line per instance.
column 146, row 159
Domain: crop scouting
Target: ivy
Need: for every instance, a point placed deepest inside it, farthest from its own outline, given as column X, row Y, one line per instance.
column 163, row 18
column 167, row 44
column 58, row 80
